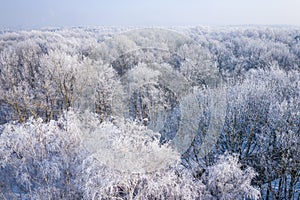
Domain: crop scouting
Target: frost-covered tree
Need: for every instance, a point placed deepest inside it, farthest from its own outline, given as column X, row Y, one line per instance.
column 41, row 160
column 226, row 180
column 262, row 117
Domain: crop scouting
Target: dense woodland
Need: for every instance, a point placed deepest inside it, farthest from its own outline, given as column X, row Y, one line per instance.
column 150, row 113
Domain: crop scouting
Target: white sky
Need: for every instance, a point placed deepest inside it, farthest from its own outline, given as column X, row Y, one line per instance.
column 52, row 13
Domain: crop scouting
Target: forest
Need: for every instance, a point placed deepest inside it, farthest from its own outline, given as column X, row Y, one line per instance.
column 150, row 113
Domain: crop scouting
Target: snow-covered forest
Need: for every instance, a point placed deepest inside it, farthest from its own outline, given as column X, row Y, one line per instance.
column 150, row 113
